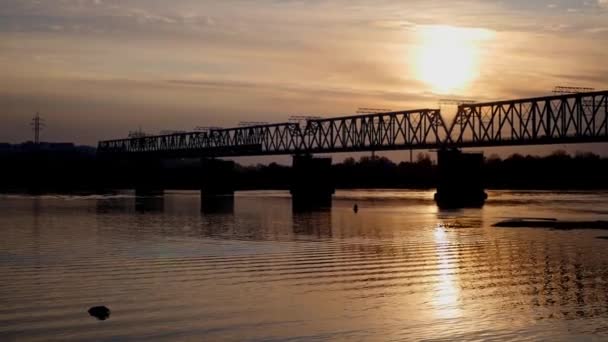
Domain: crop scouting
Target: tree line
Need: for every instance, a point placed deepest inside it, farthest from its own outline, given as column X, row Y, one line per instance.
column 76, row 171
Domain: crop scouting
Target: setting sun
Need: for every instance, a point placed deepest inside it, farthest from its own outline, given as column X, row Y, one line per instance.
column 448, row 57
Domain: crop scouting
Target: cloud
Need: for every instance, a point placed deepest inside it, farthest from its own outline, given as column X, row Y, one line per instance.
column 597, row 30
column 393, row 24
column 238, row 57
column 304, row 91
column 96, row 16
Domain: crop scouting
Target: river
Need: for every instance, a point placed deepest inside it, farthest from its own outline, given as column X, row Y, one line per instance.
column 398, row 270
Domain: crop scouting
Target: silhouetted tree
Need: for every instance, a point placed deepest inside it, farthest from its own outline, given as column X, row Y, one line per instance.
column 69, row 170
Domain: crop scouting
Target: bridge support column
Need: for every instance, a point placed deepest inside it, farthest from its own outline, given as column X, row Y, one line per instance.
column 148, row 177
column 312, row 186
column 460, row 179
column 217, row 185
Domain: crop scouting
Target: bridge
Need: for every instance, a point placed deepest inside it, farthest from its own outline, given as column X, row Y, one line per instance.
column 557, row 119
column 570, row 118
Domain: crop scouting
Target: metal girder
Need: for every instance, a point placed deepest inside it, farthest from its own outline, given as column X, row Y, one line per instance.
column 383, row 131
column 570, row 118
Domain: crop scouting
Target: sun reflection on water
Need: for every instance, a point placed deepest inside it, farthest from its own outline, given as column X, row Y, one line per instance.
column 445, row 299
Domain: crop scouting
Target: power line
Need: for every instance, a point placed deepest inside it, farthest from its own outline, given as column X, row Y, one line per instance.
column 252, row 123
column 303, row 118
column 454, row 101
column 362, row 110
column 206, row 129
column 171, row 132
column 571, row 90
column 139, row 133
column 558, row 90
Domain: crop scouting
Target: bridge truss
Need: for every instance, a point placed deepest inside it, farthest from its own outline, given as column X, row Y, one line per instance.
column 570, row 118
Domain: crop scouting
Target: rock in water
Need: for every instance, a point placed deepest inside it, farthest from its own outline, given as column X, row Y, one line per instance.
column 100, row 312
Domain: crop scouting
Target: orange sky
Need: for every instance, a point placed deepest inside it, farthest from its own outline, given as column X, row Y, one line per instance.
column 96, row 69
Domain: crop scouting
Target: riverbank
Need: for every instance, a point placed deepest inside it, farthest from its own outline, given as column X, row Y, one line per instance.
column 74, row 171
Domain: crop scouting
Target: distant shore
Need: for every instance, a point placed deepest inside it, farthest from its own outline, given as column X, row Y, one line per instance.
column 74, row 169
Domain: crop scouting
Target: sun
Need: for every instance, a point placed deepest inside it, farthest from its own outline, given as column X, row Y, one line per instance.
column 448, row 57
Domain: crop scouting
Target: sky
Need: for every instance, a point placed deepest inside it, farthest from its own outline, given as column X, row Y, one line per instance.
column 96, row 69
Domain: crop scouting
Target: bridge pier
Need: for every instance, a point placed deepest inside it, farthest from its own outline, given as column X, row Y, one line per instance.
column 148, row 177
column 460, row 179
column 312, row 186
column 217, row 185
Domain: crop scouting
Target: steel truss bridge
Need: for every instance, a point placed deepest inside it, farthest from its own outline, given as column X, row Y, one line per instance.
column 558, row 119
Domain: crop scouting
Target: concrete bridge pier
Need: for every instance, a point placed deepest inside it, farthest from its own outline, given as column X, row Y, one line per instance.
column 217, row 185
column 460, row 179
column 148, row 177
column 312, row 186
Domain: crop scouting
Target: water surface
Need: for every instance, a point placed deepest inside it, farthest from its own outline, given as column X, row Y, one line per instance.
column 399, row 269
